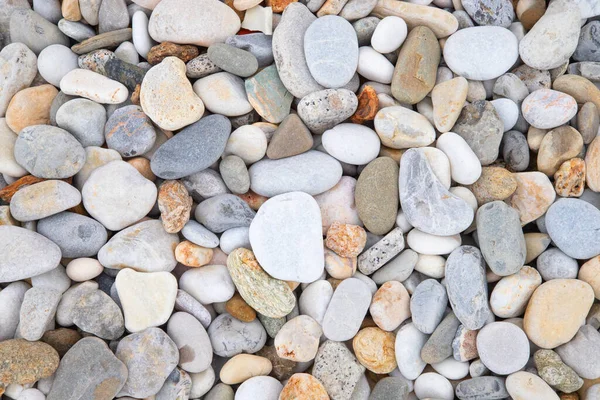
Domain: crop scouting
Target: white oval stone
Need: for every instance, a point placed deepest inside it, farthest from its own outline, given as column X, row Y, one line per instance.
column 527, row 386
column 298, row 339
column 431, row 265
column 93, row 86
column 452, row 369
column 389, row 34
column 286, row 237
column 425, row 243
column 401, row 128
column 346, row 310
column 482, row 52
column 352, row 143
column 84, row 269
column 464, row 164
column 247, row 142
column 209, row 284
column 434, row 386
column 409, row 342
column 195, row 350
column 314, row 300
column 259, row 387
column 508, row 111
column 547, row 108
column 374, row 66
column 223, row 93
column 140, row 36
column 55, row 61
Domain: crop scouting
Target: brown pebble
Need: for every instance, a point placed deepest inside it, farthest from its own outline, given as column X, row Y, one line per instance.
column 334, row 282
column 70, row 10
column 374, row 349
column 303, row 387
column 252, row 199
column 24, row 362
column 279, row 5
column 30, row 106
column 569, row 396
column 368, row 106
column 394, row 154
column 238, row 308
column 495, row 183
column 557, row 146
column 569, row 180
column 61, row 339
column 530, row 11
column 143, row 166
column 282, row 368
column 291, row 138
column 135, row 96
column 192, row 255
column 185, row 52
column 175, row 205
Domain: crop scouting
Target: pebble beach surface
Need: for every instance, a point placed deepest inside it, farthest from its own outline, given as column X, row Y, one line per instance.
column 299, row 199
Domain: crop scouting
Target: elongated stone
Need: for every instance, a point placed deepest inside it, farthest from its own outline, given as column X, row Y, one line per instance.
column 381, row 252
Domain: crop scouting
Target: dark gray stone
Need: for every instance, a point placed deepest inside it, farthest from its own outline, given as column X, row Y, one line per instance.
column 573, row 225
column 37, row 312
column 128, row 74
column 224, row 212
column 233, row 60
column 482, row 128
column 95, row 312
column 235, row 174
column 490, row 12
column 364, row 29
column 129, row 131
column 259, row 44
column 193, row 149
column 427, row 305
column 515, row 151
column 391, row 388
column 439, row 345
column 483, row 387
column 31, row 29
column 588, row 47
column 76, row 235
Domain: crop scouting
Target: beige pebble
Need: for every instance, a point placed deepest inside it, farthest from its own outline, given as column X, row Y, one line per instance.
column 590, row 273
column 375, row 350
column 592, row 163
column 390, row 305
column 558, row 145
column 242, row 5
column 84, row 269
column 70, row 10
column 535, row 243
column 192, row 255
column 303, row 387
column 527, row 386
column 29, row 107
column 534, row 137
column 339, row 267
column 448, row 99
column 298, row 339
column 244, row 366
column 143, row 166
column 534, row 195
column 569, row 180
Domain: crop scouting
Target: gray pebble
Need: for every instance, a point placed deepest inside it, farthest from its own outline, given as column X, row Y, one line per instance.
column 533, row 79
column 464, row 20
column 554, row 264
column 346, row 310
column 364, row 29
column 64, row 311
column 233, row 60
column 503, row 347
column 413, row 281
column 76, row 30
column 337, row 369
column 482, row 129
column 427, row 305
column 89, row 10
column 515, row 151
column 113, row 15
column 205, row 184
column 272, row 325
column 439, row 345
column 198, row 234
column 578, row 352
column 356, row 9
column 230, row 336
column 381, row 252
column 572, row 225
column 11, row 298
column 235, row 174
column 96, row 60
column 235, row 238
column 177, row 385
column 220, row 391
column 129, row 131
column 324, row 109
column 96, row 313
column 490, row 12
column 390, row 388
column 224, row 212
column 57, row 103
column 259, row 44
column 31, row 29
column 84, row 119
column 75, row 234
column 200, row 67
column 37, row 312
column 510, row 86
column 397, row 269
column 483, row 387
column 588, row 47
column 477, row 368
column 52, row 197
column 185, row 302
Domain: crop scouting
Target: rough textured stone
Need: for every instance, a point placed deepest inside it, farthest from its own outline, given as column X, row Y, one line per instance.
column 337, row 369
column 268, row 96
column 223, row 212
column 96, row 313
column 25, row 362
column 556, row 373
column 480, row 125
column 175, row 205
column 325, row 109
column 75, row 234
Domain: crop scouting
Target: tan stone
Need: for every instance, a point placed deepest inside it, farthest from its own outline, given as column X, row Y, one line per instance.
column 448, row 99
column 579, row 87
column 441, row 22
column 556, row 311
column 374, row 349
column 390, row 305
column 243, row 367
column 534, row 195
column 143, row 166
column 530, row 11
column 6, row 217
column 534, row 137
column 536, row 244
column 339, row 267
column 26, row 362
column 185, row 52
column 558, row 145
column 70, row 10
column 569, row 180
column 175, row 205
column 394, row 154
column 368, row 105
column 61, row 339
column 303, row 387
column 282, row 369
column 592, row 163
column 345, row 239
column 495, row 183
column 291, row 138
column 412, row 81
column 590, row 273
column 30, row 106
column 279, row 5
column 253, row 200
column 238, row 308
column 331, row 7
column 588, row 121
column 192, row 255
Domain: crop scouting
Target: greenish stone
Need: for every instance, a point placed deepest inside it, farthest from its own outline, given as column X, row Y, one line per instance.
column 268, row 96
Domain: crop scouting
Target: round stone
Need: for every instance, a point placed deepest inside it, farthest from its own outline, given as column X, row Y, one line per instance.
column 570, row 224
column 337, row 369
column 346, row 310
column 389, row 34
column 235, row 174
column 503, row 347
column 525, row 385
column 223, row 93
column 374, row 349
column 481, row 127
column 190, row 337
column 432, row 385
column 401, row 128
column 351, row 143
column 533, row 196
column 264, row 387
column 26, row 362
column 95, row 312
column 84, row 119
column 223, row 212
column 374, row 66
column 547, row 109
column 55, row 61
column 83, row 269
column 490, row 12
column 298, row 339
column 554, row 264
column 75, row 234
column 230, row 336
column 325, row 109
column 247, row 142
column 43, row 199
column 129, row 131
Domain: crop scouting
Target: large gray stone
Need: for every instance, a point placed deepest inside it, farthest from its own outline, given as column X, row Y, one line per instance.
column 37, row 312
column 427, row 305
column 96, row 313
column 488, row 387
column 75, row 234
column 481, row 127
column 577, row 353
column 11, row 298
column 503, row 347
column 390, row 388
column 31, row 29
column 230, row 336
column 346, row 310
column 190, row 337
column 490, row 12
column 19, row 65
column 439, row 345
column 84, row 119
column 572, row 225
column 112, row 16
column 223, row 212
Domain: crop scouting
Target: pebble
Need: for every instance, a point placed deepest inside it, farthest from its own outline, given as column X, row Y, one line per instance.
column 303, row 385
column 265, row 386
column 83, row 269
column 481, row 127
column 64, row 312
column 175, row 205
column 85, row 120
column 31, row 29
column 376, row 195
column 129, row 131
column 247, row 142
column 374, row 349
column 30, row 106
column 515, row 150
column 547, row 109
column 223, row 212
column 147, row 298
column 569, row 223
column 374, row 66
column 27, row 362
column 389, row 34
column 508, row 111
column 179, row 106
column 268, row 96
column 185, row 302
column 259, row 44
column 556, row 373
column 243, row 367
column 351, row 143
column 390, row 306
column 587, row 46
column 497, row 13
column 136, row 195
column 76, row 235
column 37, row 312
column 18, row 72
column 314, row 300
column 76, row 30
column 558, row 146
column 231, row 59
column 464, row 164
column 512, row 293
column 140, row 36
column 432, row 385
column 49, row 152
column 534, row 195
column 503, row 347
column 427, row 305
column 8, row 164
column 525, row 385
column 409, row 342
column 220, row 391
column 381, row 252
column 445, row 214
column 96, row 313
column 202, row 382
column 298, row 339
column 230, row 98
column 43, row 199
column 235, row 174
column 401, row 128
column 331, row 51
column 163, row 50
column 554, row 264
column 491, row 387
column 102, row 41
column 190, row 337
column 93, row 86
column 556, row 310
column 230, row 336
column 198, row 234
column 337, row 369
column 11, row 298
column 573, row 353
column 325, row 109
column 468, row 300
column 189, row 151
column 209, row 284
column 55, row 61
column 350, row 300
column 94, row 157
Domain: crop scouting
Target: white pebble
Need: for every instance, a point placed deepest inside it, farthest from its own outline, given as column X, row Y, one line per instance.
column 508, row 111
column 425, row 243
column 435, row 386
column 141, row 38
column 374, row 66
column 465, row 167
column 55, row 61
column 389, row 34
column 84, row 269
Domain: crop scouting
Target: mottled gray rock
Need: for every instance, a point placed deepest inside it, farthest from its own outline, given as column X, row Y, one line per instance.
column 572, row 226
column 6, row 9
column 223, row 212
column 145, row 247
column 128, row 74
column 233, row 60
column 259, row 44
column 177, row 386
column 381, row 252
column 220, row 391
column 271, row 325
column 501, row 238
column 198, row 234
column 554, row 264
column 150, row 356
column 129, row 131
column 390, row 388
column 488, row 387
column 439, row 345
column 288, row 50
column 482, row 128
column 89, row 10
column 331, row 51
column 18, row 71
column 426, row 202
column 503, row 347
column 31, row 29
column 532, row 78
column 364, row 29
column 427, row 305
column 43, row 199
column 337, row 369
column 324, row 109
column 235, row 174
column 230, row 336
column 88, row 368
column 76, row 30
column 49, row 152
column 200, row 67
column 64, row 312
column 75, row 234
column 84, row 119
column 397, row 269
column 96, row 313
column 205, row 184
column 588, row 47
column 347, row 309
column 467, row 286
column 312, row 172
column 112, row 16
column 556, row 373
column 464, row 20
column 37, row 312
column 11, row 298
column 576, row 353
column 193, row 149
column 490, row 12
column 96, row 60
column 185, row 302
column 515, row 151
column 25, row 254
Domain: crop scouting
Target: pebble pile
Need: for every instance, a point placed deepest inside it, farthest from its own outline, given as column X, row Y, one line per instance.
column 299, row 199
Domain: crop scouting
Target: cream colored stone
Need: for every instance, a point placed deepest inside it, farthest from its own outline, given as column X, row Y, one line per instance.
column 527, row 386
column 590, row 273
column 448, row 99
column 536, row 243
column 390, row 305
column 84, row 269
column 244, row 366
column 534, row 195
column 93, row 86
column 511, row 294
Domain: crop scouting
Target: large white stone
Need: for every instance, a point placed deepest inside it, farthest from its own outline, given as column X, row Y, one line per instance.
column 464, row 164
column 346, row 310
column 93, row 86
column 55, row 61
column 352, row 143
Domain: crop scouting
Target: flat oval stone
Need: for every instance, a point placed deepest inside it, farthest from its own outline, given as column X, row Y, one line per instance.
column 346, row 310
column 193, row 149
column 231, row 59
column 325, row 109
column 554, row 371
column 195, row 350
column 390, row 306
column 49, row 152
column 490, row 12
column 482, row 52
column 374, row 66
column 331, row 51
column 464, row 164
column 352, row 143
column 117, row 195
column 267, row 95
column 129, row 131
column 427, row 204
column 198, row 234
column 209, row 284
column 554, row 264
column 230, row 336
column 501, row 238
column 376, row 195
column 547, row 109
column 269, row 296
column 201, row 22
column 144, row 247
column 43, row 199
column 525, row 385
column 556, row 311
column 93, row 86
column 288, row 50
column 503, row 347
column 467, row 286
column 491, row 387
column 259, row 44
column 95, row 312
column 401, row 128
column 223, row 93
column 314, row 300
column 75, row 234
column 55, row 61
column 84, row 119
column 33, row 30
column 279, row 222
column 576, row 352
column 427, row 305
column 298, row 339
column 223, row 212
column 481, row 127
column 512, row 293
column 570, row 224
column 409, row 342
column 312, row 172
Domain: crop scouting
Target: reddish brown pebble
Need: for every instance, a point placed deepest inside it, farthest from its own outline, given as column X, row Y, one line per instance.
column 8, row 192
column 143, row 166
column 368, row 105
column 175, row 205
column 279, row 5
column 24, row 362
column 192, row 255
column 252, row 199
column 135, row 96
column 185, row 52
column 61, row 339
column 569, row 180
column 303, row 387
column 238, row 308
column 345, row 239
column 374, row 349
